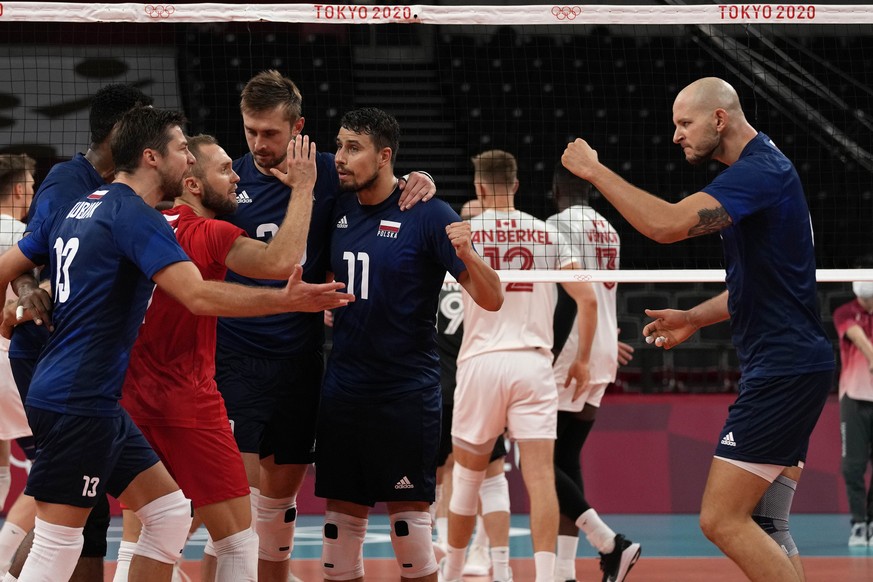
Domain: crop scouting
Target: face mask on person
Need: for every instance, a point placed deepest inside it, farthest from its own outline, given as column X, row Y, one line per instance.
column 863, row 289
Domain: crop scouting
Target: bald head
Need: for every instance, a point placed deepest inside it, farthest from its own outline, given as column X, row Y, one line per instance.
column 709, row 94
column 709, row 121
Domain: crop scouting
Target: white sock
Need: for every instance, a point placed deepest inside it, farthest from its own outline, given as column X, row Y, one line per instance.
column 5, row 484
column 500, row 563
column 481, row 536
column 599, row 535
column 9, row 578
column 125, row 555
column 237, row 557
column 54, row 553
column 10, row 538
column 545, row 566
column 454, row 563
column 565, row 568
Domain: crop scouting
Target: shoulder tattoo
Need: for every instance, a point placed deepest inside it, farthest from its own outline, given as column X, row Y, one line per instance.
column 711, row 220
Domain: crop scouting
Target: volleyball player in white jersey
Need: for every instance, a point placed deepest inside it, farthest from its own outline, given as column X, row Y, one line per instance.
column 505, row 374
column 596, row 245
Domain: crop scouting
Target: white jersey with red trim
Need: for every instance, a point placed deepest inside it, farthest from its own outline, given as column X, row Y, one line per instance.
column 514, row 240
column 595, row 245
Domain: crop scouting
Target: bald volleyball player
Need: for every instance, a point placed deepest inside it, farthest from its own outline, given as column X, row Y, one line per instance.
column 758, row 207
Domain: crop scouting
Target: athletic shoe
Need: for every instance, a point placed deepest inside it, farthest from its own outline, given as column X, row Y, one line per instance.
column 478, row 561
column 858, row 535
column 870, row 533
column 617, row 564
column 440, row 577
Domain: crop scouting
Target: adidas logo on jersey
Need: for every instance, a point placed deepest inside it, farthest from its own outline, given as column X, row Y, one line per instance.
column 404, row 483
column 343, row 222
column 728, row 440
column 243, row 198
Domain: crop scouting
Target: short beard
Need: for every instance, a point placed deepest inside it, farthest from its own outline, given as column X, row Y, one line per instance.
column 171, row 189
column 274, row 163
column 358, row 186
column 705, row 157
column 217, row 203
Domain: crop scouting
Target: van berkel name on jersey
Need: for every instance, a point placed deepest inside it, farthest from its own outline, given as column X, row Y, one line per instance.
column 519, row 235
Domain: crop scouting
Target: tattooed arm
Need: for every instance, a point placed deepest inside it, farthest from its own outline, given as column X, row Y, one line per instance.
column 657, row 219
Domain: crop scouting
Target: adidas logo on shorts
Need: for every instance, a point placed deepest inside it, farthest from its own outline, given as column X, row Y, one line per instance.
column 728, row 440
column 404, row 483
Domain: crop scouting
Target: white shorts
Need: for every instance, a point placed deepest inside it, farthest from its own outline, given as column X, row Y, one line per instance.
column 593, row 395
column 513, row 389
column 13, row 422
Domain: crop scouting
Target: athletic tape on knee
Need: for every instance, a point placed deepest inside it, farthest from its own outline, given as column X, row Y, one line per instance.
column 411, row 534
column 772, row 512
column 5, row 484
column 275, row 527
column 465, row 490
column 342, row 552
column 237, row 557
column 494, row 494
column 165, row 524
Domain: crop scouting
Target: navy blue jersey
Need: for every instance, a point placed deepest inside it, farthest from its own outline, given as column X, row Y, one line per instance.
column 384, row 343
column 770, row 265
column 102, row 252
column 65, row 182
column 263, row 203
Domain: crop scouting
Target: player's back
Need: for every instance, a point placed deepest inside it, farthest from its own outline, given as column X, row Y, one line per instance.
column 514, row 240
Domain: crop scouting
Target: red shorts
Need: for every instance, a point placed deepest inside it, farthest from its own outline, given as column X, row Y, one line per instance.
column 206, row 463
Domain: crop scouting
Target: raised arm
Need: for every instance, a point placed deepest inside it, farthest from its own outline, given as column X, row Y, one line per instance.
column 183, row 282
column 276, row 259
column 479, row 280
column 661, row 221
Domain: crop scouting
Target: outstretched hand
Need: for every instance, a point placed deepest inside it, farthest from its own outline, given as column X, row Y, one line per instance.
column 300, row 161
column 309, row 297
column 670, row 328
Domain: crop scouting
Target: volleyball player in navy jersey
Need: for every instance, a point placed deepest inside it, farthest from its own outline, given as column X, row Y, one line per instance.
column 65, row 182
column 269, row 369
column 379, row 422
column 104, row 251
column 758, row 207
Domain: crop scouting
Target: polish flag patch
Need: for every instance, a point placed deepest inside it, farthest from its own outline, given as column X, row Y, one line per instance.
column 388, row 229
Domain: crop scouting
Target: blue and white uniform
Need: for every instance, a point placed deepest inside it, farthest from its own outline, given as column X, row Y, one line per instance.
column 379, row 423
column 269, row 369
column 102, row 252
column 787, row 363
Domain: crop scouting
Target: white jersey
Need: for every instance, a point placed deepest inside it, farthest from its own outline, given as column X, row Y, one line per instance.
column 595, row 245
column 13, row 422
column 511, row 241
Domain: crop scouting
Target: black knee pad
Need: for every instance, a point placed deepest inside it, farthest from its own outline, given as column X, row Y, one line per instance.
column 95, row 530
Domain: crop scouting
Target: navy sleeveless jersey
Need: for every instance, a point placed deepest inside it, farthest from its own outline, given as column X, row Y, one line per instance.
column 263, row 203
column 65, row 182
column 102, row 252
column 770, row 264
column 384, row 343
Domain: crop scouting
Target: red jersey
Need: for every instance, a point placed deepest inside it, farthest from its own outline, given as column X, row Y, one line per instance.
column 171, row 377
column 855, row 378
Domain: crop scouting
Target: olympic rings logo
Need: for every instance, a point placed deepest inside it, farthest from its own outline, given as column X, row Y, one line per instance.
column 159, row 10
column 566, row 12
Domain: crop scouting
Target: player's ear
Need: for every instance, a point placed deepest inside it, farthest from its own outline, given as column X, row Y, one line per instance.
column 297, row 127
column 192, row 184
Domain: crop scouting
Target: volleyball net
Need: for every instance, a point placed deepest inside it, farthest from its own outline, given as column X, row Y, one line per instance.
column 464, row 79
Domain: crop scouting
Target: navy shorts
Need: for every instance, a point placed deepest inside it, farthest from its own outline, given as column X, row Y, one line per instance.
column 772, row 419
column 378, row 451
column 80, row 458
column 272, row 404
